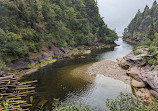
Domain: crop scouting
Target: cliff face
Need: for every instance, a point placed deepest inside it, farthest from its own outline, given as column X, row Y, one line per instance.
column 142, row 23
column 29, row 27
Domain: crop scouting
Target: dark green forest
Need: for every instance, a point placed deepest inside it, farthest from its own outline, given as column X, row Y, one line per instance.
column 29, row 25
column 144, row 28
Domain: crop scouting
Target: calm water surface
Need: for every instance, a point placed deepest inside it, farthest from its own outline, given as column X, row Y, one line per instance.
column 68, row 81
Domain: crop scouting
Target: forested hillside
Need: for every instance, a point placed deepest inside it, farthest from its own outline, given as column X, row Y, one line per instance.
column 144, row 28
column 143, row 25
column 29, row 25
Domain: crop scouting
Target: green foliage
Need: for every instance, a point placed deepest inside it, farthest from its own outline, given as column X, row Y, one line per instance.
column 144, row 27
column 15, row 72
column 127, row 102
column 26, row 25
column 72, row 107
column 3, row 66
column 150, row 34
column 144, row 24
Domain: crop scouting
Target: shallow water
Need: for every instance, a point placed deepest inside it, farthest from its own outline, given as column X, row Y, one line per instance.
column 68, row 81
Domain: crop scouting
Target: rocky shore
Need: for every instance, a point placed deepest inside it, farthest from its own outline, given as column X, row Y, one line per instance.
column 144, row 79
column 132, row 41
column 36, row 61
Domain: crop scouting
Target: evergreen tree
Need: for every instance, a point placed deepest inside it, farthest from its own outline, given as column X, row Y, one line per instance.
column 155, row 3
column 146, row 8
column 150, row 33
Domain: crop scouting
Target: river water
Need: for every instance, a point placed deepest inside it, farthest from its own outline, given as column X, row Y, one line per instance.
column 68, row 81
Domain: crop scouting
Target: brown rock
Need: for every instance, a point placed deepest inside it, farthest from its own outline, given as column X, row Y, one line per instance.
column 154, row 93
column 150, row 77
column 123, row 63
column 134, row 72
column 57, row 52
column 137, row 84
column 65, row 50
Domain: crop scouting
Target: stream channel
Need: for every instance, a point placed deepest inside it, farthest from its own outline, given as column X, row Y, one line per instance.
column 67, row 80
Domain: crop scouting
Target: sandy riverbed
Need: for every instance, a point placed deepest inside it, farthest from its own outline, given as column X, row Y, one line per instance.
column 109, row 69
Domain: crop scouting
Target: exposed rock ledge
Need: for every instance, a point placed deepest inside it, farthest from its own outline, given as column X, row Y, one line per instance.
column 144, row 81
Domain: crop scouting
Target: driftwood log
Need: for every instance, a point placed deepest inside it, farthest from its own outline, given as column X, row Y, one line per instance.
column 12, row 94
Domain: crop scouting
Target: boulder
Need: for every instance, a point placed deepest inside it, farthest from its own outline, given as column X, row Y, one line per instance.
column 137, row 60
column 150, row 77
column 57, row 52
column 137, row 84
column 134, row 72
column 152, row 82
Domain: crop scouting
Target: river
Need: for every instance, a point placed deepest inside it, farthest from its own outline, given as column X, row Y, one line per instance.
column 62, row 80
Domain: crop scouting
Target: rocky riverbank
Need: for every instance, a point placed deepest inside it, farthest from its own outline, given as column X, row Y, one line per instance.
column 144, row 78
column 14, row 92
column 132, row 41
column 36, row 61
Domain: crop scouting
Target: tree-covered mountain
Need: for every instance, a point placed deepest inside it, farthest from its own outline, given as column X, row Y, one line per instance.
column 29, row 25
column 143, row 24
column 143, row 30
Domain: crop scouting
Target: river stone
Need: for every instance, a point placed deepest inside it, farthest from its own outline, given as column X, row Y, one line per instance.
column 154, row 93
column 123, row 63
column 137, row 84
column 134, row 72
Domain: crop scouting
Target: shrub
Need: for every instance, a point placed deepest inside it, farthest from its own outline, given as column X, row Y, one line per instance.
column 3, row 66
column 125, row 102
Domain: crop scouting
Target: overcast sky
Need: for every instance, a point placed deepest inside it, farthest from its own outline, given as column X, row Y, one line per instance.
column 118, row 13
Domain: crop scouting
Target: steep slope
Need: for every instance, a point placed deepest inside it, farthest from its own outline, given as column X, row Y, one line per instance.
column 142, row 24
column 29, row 26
